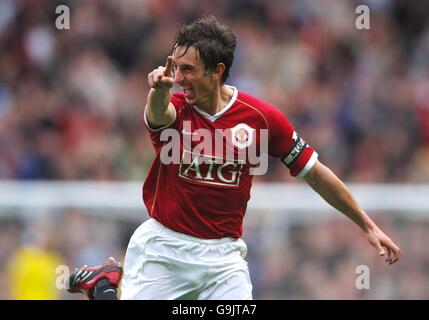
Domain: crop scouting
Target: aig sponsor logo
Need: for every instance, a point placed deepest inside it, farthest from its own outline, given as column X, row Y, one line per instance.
column 210, row 169
column 233, row 147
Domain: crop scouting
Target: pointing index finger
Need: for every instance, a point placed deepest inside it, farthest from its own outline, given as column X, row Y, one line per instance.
column 168, row 66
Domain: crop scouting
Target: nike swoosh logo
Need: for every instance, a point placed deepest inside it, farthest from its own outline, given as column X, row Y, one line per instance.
column 108, row 290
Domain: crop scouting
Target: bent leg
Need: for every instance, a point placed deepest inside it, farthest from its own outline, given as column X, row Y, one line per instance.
column 229, row 283
column 160, row 280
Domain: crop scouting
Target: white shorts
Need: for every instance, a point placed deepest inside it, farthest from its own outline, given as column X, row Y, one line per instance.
column 164, row 264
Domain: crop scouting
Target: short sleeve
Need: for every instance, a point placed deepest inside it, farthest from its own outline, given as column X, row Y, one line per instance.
column 178, row 102
column 285, row 143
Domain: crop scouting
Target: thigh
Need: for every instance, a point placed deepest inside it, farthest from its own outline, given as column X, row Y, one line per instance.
column 161, row 280
column 230, row 282
column 152, row 272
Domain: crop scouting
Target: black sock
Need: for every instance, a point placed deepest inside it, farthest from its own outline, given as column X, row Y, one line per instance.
column 103, row 290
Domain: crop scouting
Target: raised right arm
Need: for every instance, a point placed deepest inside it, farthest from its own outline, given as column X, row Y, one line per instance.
column 159, row 110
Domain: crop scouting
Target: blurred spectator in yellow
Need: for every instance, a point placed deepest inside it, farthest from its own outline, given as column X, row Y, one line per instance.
column 31, row 270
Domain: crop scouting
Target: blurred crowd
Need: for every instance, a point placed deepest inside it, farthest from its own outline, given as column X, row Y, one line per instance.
column 329, row 259
column 38, row 252
column 323, row 259
column 71, row 101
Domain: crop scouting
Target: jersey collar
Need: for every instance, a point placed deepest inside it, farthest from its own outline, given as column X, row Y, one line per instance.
column 213, row 118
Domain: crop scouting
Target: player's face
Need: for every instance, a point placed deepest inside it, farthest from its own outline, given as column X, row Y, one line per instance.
column 189, row 73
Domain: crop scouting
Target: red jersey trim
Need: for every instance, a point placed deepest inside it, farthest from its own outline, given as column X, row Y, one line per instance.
column 161, row 128
column 265, row 119
column 310, row 164
column 156, row 190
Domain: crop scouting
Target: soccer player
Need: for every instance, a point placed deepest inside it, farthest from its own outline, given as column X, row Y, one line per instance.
column 207, row 139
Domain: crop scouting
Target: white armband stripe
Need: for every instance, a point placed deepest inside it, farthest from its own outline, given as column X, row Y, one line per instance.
column 310, row 163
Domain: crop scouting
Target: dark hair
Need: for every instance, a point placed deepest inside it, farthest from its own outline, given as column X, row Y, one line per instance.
column 214, row 42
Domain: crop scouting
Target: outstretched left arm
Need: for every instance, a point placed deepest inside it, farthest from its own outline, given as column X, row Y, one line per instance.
column 335, row 192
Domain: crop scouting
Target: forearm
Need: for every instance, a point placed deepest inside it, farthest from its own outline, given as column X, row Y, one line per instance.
column 157, row 102
column 336, row 193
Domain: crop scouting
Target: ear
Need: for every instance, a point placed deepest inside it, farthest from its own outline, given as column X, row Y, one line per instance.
column 218, row 72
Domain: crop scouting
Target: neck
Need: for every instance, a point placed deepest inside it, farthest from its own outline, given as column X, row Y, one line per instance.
column 218, row 100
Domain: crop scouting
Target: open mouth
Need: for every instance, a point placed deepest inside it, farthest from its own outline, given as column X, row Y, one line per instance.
column 188, row 92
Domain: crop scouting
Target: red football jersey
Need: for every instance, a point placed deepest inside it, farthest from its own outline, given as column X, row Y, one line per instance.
column 199, row 183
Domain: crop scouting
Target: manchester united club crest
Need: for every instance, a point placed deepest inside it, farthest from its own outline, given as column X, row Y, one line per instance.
column 242, row 135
